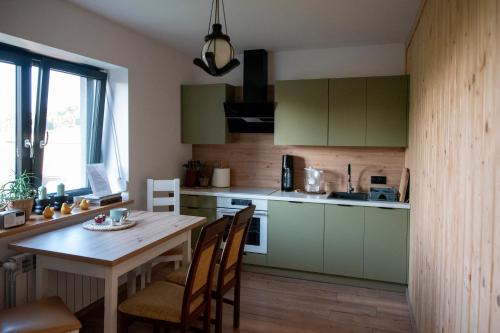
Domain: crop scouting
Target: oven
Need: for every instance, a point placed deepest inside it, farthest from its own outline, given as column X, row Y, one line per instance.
column 256, row 241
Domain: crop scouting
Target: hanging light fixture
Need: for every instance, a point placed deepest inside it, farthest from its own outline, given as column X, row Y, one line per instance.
column 217, row 55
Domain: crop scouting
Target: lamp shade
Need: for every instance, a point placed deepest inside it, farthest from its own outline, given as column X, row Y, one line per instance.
column 222, row 50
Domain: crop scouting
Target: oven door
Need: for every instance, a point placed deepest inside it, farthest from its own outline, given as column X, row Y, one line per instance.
column 256, row 241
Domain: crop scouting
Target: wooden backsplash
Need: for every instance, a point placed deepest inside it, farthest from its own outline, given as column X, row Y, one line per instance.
column 256, row 162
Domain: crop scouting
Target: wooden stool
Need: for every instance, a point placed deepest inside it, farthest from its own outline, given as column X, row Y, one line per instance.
column 43, row 316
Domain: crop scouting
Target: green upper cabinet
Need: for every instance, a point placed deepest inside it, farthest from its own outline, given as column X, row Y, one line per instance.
column 295, row 235
column 385, row 245
column 387, row 111
column 347, row 112
column 301, row 115
column 203, row 118
column 344, row 233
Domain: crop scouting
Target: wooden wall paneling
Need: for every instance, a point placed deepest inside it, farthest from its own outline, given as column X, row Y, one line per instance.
column 453, row 155
column 255, row 161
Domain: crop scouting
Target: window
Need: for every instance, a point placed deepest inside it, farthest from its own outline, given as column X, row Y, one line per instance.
column 51, row 116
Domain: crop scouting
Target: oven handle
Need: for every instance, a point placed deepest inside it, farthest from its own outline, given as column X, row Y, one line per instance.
column 234, row 211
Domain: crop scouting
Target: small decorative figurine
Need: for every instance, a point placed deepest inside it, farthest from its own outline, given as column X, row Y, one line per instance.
column 84, row 204
column 66, row 208
column 48, row 212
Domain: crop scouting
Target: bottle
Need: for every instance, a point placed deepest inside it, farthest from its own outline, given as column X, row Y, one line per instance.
column 287, row 173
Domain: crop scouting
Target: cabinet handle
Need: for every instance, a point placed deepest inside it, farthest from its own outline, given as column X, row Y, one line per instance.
column 344, row 205
column 386, row 208
column 295, row 202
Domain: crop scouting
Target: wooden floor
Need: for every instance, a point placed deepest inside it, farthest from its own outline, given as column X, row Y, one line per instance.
column 276, row 304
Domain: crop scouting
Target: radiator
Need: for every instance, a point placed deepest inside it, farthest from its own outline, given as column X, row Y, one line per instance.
column 18, row 275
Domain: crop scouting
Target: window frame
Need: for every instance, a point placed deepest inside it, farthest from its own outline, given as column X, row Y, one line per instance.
column 24, row 60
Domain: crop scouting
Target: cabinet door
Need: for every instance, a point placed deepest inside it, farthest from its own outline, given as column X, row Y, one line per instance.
column 255, row 259
column 344, row 232
column 203, row 118
column 301, row 116
column 347, row 112
column 385, row 248
column 387, row 111
column 210, row 214
column 295, row 235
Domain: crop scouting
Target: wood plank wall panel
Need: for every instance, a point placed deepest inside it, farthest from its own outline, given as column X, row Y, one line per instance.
column 256, row 162
column 453, row 155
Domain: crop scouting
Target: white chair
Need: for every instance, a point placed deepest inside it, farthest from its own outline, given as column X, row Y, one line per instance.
column 173, row 188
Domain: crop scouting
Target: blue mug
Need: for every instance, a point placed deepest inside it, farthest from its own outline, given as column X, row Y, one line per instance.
column 118, row 214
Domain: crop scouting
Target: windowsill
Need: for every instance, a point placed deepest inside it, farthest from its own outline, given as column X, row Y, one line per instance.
column 38, row 221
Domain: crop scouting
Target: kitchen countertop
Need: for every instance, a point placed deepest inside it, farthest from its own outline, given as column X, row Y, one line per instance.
column 274, row 194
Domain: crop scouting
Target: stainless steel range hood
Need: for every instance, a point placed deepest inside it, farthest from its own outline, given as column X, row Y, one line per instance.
column 255, row 114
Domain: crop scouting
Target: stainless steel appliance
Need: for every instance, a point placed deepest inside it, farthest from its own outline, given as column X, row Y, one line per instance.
column 256, row 241
column 12, row 218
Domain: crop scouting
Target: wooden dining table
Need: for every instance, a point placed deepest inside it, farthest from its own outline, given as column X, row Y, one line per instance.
column 109, row 254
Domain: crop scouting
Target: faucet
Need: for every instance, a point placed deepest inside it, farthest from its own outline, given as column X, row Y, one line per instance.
column 350, row 189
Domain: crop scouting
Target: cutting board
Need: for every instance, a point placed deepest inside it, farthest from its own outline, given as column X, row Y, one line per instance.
column 403, row 185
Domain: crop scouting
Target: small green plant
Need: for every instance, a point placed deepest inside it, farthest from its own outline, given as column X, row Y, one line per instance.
column 20, row 188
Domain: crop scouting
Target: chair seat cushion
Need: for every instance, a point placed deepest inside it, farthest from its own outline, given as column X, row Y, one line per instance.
column 46, row 315
column 179, row 276
column 160, row 300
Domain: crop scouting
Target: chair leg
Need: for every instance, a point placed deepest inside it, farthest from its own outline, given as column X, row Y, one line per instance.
column 218, row 314
column 206, row 318
column 236, row 305
column 176, row 265
column 149, row 268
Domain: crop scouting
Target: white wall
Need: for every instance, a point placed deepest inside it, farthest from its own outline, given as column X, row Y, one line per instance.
column 155, row 73
column 371, row 60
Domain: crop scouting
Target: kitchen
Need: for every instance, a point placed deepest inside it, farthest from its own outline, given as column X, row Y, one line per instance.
column 365, row 135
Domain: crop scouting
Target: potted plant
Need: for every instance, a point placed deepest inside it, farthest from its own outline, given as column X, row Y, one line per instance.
column 19, row 193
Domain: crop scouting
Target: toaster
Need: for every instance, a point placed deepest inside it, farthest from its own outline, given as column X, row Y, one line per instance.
column 12, row 218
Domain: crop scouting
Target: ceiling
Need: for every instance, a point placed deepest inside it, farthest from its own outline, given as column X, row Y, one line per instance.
column 275, row 25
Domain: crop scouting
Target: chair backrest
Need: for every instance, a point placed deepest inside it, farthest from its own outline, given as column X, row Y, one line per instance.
column 170, row 186
column 200, row 273
column 235, row 244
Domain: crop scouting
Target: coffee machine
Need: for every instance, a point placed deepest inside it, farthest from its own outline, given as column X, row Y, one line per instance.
column 287, row 173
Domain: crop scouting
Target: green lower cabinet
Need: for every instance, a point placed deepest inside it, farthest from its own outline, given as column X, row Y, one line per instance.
column 385, row 245
column 295, row 235
column 209, row 213
column 255, row 259
column 344, row 233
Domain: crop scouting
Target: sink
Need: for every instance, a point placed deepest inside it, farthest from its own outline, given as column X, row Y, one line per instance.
column 348, row 196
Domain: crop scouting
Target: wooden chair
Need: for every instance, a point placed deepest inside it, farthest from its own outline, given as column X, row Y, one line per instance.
column 228, row 273
column 48, row 315
column 171, row 186
column 166, row 304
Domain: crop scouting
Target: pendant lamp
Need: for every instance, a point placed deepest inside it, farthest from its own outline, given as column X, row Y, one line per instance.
column 217, row 55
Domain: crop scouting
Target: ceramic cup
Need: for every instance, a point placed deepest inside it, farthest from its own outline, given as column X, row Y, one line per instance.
column 118, row 215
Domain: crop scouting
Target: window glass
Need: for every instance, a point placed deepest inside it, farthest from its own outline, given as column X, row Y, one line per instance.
column 7, row 122
column 65, row 154
column 34, row 95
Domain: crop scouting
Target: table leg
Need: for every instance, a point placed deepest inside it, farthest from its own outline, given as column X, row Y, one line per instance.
column 110, row 301
column 186, row 250
column 42, row 280
column 131, row 282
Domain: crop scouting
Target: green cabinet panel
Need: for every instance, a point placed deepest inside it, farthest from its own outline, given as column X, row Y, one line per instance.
column 255, row 259
column 387, row 111
column 385, row 244
column 198, row 201
column 210, row 214
column 301, row 115
column 344, row 233
column 203, row 118
column 295, row 235
column 347, row 112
